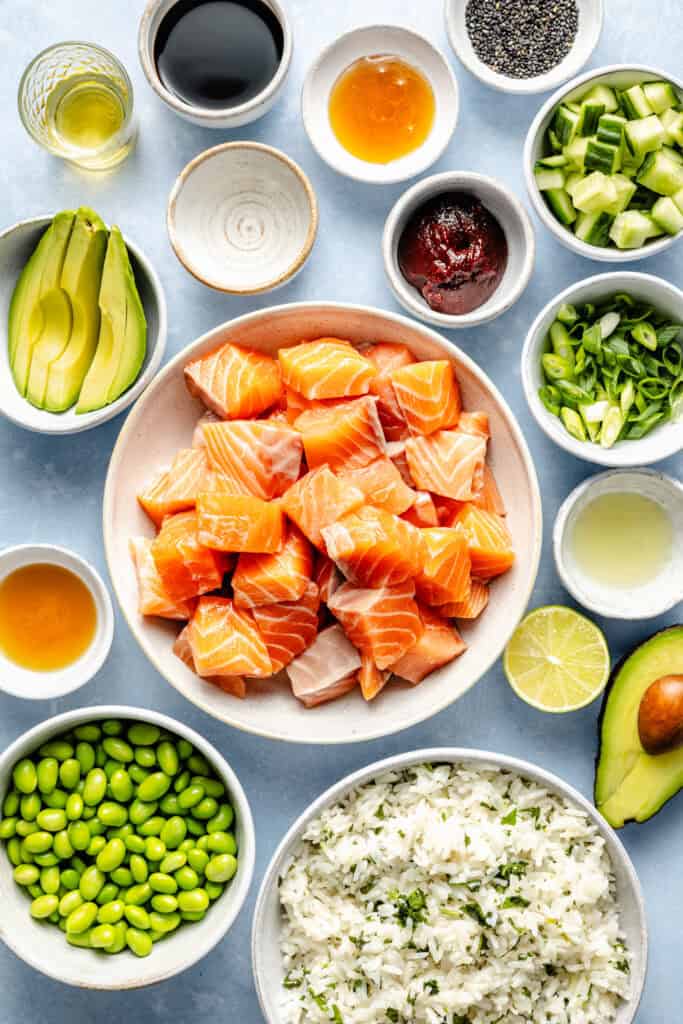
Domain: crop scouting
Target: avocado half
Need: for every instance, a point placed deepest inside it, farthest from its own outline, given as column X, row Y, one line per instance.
column 631, row 785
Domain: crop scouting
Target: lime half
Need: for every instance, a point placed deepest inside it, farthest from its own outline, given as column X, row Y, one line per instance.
column 557, row 659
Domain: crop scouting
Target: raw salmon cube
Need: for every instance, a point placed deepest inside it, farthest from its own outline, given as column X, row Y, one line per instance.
column 423, row 510
column 387, row 357
column 229, row 684
column 345, row 436
column 290, row 627
column 448, row 463
column 396, row 451
column 476, row 423
column 444, row 574
column 382, row 485
column 326, row 368
column 153, row 598
column 326, row 670
column 439, row 644
column 428, row 395
column 282, row 576
column 372, row 680
column 239, row 522
column 488, row 539
column 327, row 576
column 296, row 404
column 317, row 499
column 234, row 382
column 471, row 607
column 383, row 623
column 187, row 567
column 175, row 489
column 447, row 509
column 258, row 457
column 374, row 548
column 198, row 433
column 488, row 496
column 225, row 640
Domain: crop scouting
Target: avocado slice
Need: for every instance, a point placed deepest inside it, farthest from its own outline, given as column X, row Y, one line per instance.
column 81, row 278
column 629, row 783
column 122, row 341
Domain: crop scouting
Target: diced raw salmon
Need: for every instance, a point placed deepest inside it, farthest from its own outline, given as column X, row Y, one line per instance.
column 271, row 578
column 239, row 522
column 318, row 499
column 448, row 463
column 476, row 423
column 447, row 509
column 428, row 395
column 439, row 644
column 371, row 679
column 472, row 606
column 187, row 567
column 383, row 623
column 258, row 457
column 344, row 436
column 225, row 640
column 290, row 627
column 198, row 434
column 374, row 548
column 153, row 598
column 234, row 382
column 423, row 510
column 444, row 574
column 396, row 451
column 229, row 684
column 488, row 496
column 326, row 368
column 489, row 541
column 382, row 485
column 326, row 670
column 175, row 489
column 388, row 357
column 327, row 576
column 296, row 404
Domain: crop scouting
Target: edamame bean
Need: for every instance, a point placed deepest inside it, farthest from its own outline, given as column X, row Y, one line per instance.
column 121, row 832
column 119, row 943
column 190, row 796
column 112, row 912
column 61, row 846
column 11, row 804
column 44, row 905
column 221, row 868
column 56, row 799
column 51, row 820
column 145, row 757
column 102, row 937
column 213, row 890
column 203, row 842
column 107, row 893
column 134, row 843
column 138, row 942
column 118, row 749
column 138, row 868
column 138, row 894
column 49, row 880
column 137, row 916
column 164, row 923
column 182, row 782
column 112, row 727
column 168, row 759
column 81, row 940
column 78, row 864
column 122, row 877
column 186, row 878
column 26, row 874
column 160, row 882
column 121, row 785
column 137, row 773
column 38, row 842
column 26, row 828
column 46, row 860
column 74, row 806
column 169, row 805
column 96, row 844
column 187, row 844
column 89, row 812
column 89, row 732
column 70, row 773
column 172, row 861
column 211, row 787
column 164, row 903
column 24, row 776
column 47, row 774
column 142, row 734
column 69, row 879
column 173, row 832
column 153, row 787
column 69, row 902
column 79, row 835
column 140, row 811
column 153, row 826
column 80, row 919
column 185, row 749
column 155, row 849
column 14, row 851
column 91, row 882
column 221, row 842
column 111, row 814
column 112, row 856
column 8, row 827
column 198, row 859
column 95, row 787
column 85, row 755
column 221, row 821
column 195, row 827
column 198, row 764
column 193, row 900
column 34, row 891
column 60, row 749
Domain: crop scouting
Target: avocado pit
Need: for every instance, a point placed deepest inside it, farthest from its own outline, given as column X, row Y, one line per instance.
column 660, row 715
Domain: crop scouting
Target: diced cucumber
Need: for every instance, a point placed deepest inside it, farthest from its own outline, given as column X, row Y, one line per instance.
column 678, row 199
column 660, row 96
column 575, row 152
column 643, row 198
column 572, row 179
column 672, row 121
column 673, row 154
column 560, row 203
column 596, row 192
column 602, row 94
column 644, row 136
column 667, row 215
column 565, row 124
column 589, row 115
column 555, row 143
column 635, row 104
column 593, row 228
column 556, row 160
column 574, row 105
column 661, row 174
column 632, row 229
column 602, row 156
column 548, row 177
column 611, row 129
column 625, row 191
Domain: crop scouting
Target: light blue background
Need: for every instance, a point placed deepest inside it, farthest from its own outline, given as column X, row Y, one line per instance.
column 51, row 488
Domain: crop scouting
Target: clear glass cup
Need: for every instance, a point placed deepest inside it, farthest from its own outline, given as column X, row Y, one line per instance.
column 76, row 100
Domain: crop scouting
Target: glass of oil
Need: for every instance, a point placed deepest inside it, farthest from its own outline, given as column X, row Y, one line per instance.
column 76, row 100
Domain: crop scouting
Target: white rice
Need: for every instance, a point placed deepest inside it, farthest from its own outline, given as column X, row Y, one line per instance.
column 451, row 895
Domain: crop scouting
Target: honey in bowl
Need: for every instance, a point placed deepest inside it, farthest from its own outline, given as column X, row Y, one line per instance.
column 381, row 109
column 47, row 617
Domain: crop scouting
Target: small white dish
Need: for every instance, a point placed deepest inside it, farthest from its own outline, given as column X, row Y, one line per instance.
column 30, row 685
column 16, row 245
column 44, row 946
column 621, row 75
column 510, row 214
column 664, row 440
column 211, row 117
column 266, row 928
column 591, row 14
column 242, row 218
column 642, row 602
column 374, row 40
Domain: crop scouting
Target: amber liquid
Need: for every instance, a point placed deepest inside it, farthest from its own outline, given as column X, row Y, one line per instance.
column 381, row 109
column 47, row 617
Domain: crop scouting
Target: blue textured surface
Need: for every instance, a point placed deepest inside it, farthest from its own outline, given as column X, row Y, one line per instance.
column 52, row 487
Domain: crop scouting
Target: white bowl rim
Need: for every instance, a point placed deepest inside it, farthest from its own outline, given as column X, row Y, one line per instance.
column 389, row 178
column 518, row 86
column 247, row 853
column 454, row 755
column 559, row 531
column 181, row 357
column 408, row 202
column 94, row 419
column 604, row 253
column 587, row 450
column 104, row 632
column 213, row 116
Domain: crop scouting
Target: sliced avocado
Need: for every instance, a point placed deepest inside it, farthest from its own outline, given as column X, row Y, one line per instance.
column 41, row 310
column 81, row 278
column 629, row 783
column 123, row 331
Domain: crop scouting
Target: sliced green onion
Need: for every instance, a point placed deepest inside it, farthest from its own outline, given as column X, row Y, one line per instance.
column 646, row 335
column 567, row 314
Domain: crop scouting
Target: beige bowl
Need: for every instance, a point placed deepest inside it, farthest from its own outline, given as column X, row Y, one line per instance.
column 163, row 421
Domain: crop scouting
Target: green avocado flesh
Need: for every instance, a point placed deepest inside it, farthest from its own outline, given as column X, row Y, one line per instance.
column 630, row 784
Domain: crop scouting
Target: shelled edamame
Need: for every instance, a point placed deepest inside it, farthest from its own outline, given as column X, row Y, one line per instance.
column 119, row 832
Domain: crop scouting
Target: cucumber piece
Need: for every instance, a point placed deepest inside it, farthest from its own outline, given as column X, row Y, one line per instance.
column 572, row 179
column 602, row 156
column 643, row 198
column 644, row 136
column 665, row 212
column 611, row 129
column 560, row 203
column 589, row 115
column 673, row 154
column 678, row 199
column 594, row 228
column 565, row 124
column 625, row 192
column 634, row 102
column 602, row 94
column 555, row 143
column 632, row 229
column 575, row 152
column 596, row 192
column 660, row 95
column 556, row 160
column 672, row 122
column 661, row 174
column 548, row 177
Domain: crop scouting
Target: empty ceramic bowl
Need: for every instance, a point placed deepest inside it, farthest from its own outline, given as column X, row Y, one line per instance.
column 373, row 41
column 242, row 218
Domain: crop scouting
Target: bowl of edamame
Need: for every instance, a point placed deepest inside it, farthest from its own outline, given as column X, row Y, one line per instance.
column 122, row 830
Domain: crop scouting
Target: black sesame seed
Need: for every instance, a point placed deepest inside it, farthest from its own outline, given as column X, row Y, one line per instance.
column 522, row 38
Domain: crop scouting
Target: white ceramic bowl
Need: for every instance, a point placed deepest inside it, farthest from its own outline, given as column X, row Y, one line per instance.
column 163, row 422
column 373, row 40
column 634, row 602
column 664, row 440
column 242, row 218
column 620, row 75
column 211, row 117
column 44, row 947
column 591, row 15
column 509, row 213
column 22, row 682
column 266, row 929
column 16, row 245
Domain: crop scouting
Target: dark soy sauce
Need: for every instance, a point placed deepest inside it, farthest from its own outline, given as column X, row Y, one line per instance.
column 218, row 53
